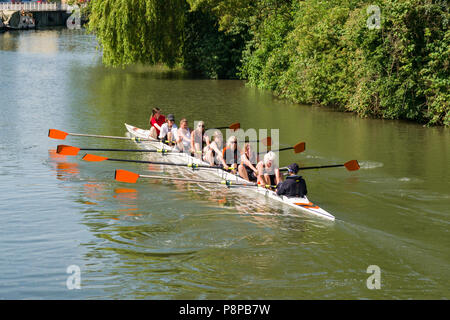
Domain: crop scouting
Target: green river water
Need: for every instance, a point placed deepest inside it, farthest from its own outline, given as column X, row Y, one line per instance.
column 161, row 240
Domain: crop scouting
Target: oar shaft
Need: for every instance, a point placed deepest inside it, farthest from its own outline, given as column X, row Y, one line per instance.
column 317, row 167
column 109, row 137
column 178, row 179
column 165, row 163
column 320, row 167
column 128, row 150
column 283, row 149
column 226, row 182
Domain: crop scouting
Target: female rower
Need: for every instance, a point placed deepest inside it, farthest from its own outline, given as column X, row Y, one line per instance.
column 246, row 169
column 167, row 130
column 268, row 171
column 199, row 140
column 231, row 153
column 156, row 121
column 213, row 155
column 182, row 136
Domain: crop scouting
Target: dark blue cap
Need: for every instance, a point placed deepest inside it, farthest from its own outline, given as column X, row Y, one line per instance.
column 293, row 168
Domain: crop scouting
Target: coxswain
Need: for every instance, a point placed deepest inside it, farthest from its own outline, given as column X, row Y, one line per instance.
column 249, row 159
column 268, row 171
column 294, row 185
column 166, row 134
column 156, row 121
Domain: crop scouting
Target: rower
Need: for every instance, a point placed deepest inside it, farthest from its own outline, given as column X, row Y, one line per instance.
column 230, row 153
column 167, row 130
column 212, row 153
column 182, row 136
column 199, row 139
column 246, row 169
column 294, row 185
column 268, row 171
column 156, row 121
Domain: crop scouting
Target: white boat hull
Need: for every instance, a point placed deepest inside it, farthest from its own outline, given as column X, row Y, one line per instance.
column 302, row 204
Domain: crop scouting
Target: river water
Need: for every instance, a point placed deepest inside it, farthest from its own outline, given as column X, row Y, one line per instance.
column 161, row 240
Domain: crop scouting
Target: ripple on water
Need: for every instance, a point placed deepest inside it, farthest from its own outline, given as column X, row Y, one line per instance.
column 370, row 164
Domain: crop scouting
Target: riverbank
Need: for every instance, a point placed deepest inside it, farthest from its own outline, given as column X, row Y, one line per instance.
column 387, row 61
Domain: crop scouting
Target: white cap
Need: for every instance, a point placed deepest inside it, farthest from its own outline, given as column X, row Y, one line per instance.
column 270, row 156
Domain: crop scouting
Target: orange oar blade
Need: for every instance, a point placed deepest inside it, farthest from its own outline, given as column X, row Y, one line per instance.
column 67, row 150
column 126, row 176
column 352, row 165
column 93, row 158
column 235, row 126
column 267, row 141
column 124, row 190
column 299, row 147
column 57, row 134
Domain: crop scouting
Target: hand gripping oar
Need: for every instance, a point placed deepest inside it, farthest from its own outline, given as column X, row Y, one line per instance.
column 95, row 158
column 73, row 151
column 131, row 177
column 61, row 135
column 351, row 165
column 299, row 147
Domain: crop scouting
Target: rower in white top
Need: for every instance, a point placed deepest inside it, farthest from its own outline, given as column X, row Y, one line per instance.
column 268, row 170
column 213, row 152
column 166, row 134
column 182, row 136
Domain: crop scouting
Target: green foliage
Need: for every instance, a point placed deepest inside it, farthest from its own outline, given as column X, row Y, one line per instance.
column 327, row 55
column 311, row 51
column 139, row 31
column 208, row 52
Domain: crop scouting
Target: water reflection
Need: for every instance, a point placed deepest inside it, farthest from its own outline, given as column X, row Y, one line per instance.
column 64, row 170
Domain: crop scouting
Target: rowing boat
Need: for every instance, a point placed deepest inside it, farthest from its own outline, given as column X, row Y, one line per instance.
column 302, row 204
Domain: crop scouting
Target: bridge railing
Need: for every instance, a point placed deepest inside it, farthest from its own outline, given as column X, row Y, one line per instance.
column 33, row 6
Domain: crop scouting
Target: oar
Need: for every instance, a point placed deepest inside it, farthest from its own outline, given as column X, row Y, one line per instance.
column 266, row 141
column 73, row 151
column 131, row 177
column 61, row 135
column 299, row 147
column 95, row 158
column 351, row 165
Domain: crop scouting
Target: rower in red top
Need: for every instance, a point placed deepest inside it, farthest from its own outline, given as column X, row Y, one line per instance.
column 156, row 121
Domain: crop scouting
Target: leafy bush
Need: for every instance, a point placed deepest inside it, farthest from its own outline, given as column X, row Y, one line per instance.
column 311, row 51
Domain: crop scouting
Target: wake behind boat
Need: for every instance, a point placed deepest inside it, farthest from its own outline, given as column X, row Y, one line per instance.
column 302, row 204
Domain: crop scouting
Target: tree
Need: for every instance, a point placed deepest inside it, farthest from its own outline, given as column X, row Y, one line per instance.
column 139, row 31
